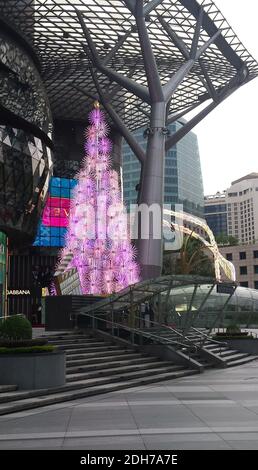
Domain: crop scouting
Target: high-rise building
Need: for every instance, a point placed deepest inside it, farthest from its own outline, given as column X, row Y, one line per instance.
column 242, row 208
column 183, row 177
column 215, row 210
column 245, row 260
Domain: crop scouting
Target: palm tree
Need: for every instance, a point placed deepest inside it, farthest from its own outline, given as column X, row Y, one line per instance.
column 191, row 259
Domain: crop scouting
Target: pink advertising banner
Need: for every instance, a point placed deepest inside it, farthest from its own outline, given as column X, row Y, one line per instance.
column 56, row 212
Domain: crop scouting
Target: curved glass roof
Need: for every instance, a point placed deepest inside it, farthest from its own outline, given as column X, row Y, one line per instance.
column 53, row 29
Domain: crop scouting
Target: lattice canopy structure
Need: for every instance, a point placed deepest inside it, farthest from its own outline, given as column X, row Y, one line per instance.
column 52, row 29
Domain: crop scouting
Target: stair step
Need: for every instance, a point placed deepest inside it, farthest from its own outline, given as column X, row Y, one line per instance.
column 117, row 370
column 237, row 356
column 27, row 404
column 7, row 388
column 78, row 348
column 76, row 341
column 70, row 355
column 86, row 383
column 66, row 337
column 107, row 364
column 239, row 362
column 103, row 358
column 95, row 346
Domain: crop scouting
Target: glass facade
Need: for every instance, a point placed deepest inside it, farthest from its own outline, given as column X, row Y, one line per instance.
column 21, row 88
column 25, row 170
column 183, row 178
column 242, row 308
column 54, row 222
column 25, row 160
column 216, row 217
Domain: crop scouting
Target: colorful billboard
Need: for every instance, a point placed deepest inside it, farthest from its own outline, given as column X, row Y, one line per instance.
column 54, row 222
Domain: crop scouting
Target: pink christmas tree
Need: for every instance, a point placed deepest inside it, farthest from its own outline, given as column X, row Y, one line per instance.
column 98, row 235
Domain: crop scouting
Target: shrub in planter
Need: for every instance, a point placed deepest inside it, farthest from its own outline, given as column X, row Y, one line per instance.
column 16, row 327
column 233, row 330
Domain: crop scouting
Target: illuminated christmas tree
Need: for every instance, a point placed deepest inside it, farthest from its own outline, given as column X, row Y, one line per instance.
column 98, row 235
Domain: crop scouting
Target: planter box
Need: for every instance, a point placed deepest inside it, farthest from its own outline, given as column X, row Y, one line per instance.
column 243, row 334
column 243, row 344
column 33, row 370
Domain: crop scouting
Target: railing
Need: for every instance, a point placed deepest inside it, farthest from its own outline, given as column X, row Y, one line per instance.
column 206, row 337
column 133, row 332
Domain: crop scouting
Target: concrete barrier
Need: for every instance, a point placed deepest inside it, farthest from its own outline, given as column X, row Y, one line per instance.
column 33, row 370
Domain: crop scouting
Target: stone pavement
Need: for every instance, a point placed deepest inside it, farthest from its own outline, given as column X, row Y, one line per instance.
column 214, row 410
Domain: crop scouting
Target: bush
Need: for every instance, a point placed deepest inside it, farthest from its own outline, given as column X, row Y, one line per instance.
column 16, row 327
column 33, row 349
column 233, row 329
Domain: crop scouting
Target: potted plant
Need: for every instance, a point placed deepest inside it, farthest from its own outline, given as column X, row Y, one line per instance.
column 26, row 362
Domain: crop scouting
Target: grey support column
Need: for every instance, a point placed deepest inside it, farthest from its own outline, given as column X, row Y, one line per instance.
column 152, row 192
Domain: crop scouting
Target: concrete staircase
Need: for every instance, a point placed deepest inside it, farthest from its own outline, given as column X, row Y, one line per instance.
column 210, row 350
column 93, row 366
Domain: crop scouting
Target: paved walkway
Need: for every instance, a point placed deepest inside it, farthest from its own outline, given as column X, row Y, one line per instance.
column 214, row 410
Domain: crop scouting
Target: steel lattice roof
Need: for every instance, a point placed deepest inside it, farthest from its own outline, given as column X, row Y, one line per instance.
column 53, row 30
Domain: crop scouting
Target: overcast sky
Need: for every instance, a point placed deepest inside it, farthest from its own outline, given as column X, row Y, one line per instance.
column 228, row 137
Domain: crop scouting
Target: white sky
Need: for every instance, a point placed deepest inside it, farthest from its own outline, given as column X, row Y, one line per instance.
column 228, row 137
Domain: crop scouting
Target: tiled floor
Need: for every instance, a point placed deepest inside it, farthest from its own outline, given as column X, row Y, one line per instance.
column 214, row 410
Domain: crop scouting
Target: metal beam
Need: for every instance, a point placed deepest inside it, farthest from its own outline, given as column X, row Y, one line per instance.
column 174, row 117
column 179, row 43
column 177, row 79
column 125, row 82
column 208, row 25
column 130, row 5
column 150, row 65
column 117, row 46
column 208, row 83
column 197, row 34
column 132, row 142
column 232, row 86
column 150, row 6
column 207, row 44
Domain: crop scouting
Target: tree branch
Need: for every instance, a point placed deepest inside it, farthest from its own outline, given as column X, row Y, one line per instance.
column 151, row 69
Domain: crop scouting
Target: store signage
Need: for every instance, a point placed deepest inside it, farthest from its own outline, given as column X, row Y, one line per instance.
column 225, row 288
column 18, row 292
column 56, row 212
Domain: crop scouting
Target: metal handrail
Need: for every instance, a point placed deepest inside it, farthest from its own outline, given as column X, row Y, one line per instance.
column 209, row 338
column 140, row 332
